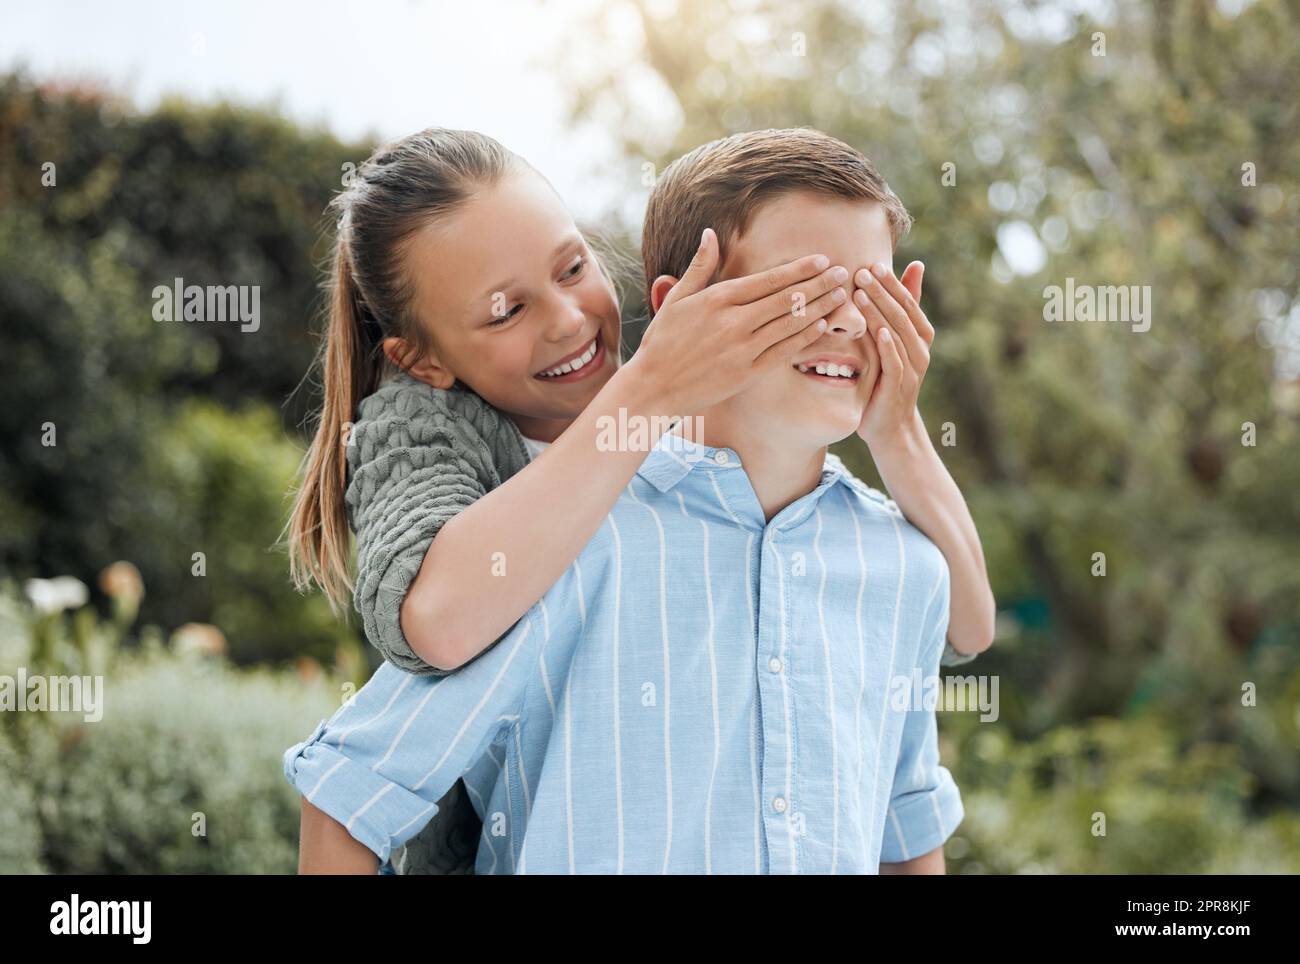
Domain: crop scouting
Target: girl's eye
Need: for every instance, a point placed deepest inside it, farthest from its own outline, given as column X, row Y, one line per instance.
column 576, row 269
column 502, row 319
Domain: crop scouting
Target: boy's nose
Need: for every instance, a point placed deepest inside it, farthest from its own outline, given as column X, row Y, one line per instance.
column 846, row 320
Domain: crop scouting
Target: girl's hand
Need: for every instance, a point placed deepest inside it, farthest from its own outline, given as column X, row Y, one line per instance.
column 708, row 342
column 903, row 336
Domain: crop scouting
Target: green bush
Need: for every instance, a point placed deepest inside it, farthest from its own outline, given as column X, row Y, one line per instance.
column 180, row 737
column 20, row 827
column 1170, row 806
column 217, row 483
column 214, row 195
column 182, row 774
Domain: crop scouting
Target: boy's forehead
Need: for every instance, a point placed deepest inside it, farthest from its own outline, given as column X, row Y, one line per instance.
column 851, row 232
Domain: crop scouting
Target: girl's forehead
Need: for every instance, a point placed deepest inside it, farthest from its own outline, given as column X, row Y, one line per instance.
column 505, row 234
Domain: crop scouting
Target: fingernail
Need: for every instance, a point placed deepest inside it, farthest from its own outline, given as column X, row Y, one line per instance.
column 821, row 324
column 837, row 295
column 840, row 274
column 884, row 335
column 704, row 237
column 878, row 269
column 821, row 262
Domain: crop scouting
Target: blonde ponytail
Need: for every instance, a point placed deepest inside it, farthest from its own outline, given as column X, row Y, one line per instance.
column 319, row 546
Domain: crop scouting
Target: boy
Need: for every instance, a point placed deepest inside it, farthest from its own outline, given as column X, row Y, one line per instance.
column 711, row 687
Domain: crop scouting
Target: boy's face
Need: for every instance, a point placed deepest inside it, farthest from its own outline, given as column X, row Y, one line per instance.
column 803, row 407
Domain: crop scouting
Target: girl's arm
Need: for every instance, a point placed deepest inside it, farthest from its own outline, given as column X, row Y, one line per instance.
column 927, row 495
column 909, row 466
column 705, row 344
column 931, row 863
column 325, row 847
column 536, row 523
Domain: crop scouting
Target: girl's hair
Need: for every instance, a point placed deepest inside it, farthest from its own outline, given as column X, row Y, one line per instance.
column 398, row 190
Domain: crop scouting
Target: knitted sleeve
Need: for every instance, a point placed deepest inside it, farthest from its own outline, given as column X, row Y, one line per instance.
column 951, row 657
column 416, row 457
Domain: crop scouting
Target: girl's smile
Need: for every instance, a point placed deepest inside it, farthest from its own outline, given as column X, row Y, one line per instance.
column 577, row 365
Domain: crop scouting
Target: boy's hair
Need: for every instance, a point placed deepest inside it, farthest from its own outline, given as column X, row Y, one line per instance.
column 722, row 184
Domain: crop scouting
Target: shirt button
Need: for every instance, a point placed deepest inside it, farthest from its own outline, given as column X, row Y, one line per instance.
column 779, row 804
column 774, row 665
column 721, row 457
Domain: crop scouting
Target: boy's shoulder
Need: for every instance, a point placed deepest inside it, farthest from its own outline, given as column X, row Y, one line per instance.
column 865, row 495
column 871, row 504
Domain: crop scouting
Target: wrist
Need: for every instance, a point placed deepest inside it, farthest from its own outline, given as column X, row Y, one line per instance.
column 903, row 438
column 635, row 389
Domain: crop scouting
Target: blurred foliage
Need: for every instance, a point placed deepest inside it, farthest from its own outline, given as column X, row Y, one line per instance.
column 186, row 743
column 213, row 195
column 217, row 481
column 1133, row 795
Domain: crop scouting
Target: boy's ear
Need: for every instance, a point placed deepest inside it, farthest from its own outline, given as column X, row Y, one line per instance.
column 659, row 291
column 425, row 367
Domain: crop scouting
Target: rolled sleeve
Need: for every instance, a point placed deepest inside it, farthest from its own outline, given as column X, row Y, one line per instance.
column 376, row 811
column 923, row 818
column 382, row 763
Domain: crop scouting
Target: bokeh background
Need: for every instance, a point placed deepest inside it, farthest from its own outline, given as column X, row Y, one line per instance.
column 1150, row 143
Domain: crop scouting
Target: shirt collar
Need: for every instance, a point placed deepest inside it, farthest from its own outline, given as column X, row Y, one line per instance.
column 674, row 457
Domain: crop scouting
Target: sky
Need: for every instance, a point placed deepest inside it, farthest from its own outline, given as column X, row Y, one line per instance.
column 379, row 67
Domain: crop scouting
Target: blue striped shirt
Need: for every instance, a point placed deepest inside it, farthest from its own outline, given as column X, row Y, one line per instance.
column 702, row 691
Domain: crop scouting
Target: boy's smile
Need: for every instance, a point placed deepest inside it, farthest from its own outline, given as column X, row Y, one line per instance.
column 841, row 371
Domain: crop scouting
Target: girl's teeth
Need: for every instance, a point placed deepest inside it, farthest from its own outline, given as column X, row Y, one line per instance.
column 803, row 368
column 574, row 365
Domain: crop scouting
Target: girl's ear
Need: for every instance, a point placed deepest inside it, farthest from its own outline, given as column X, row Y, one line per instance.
column 426, row 367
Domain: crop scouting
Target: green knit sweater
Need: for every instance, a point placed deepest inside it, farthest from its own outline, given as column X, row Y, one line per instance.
column 416, row 456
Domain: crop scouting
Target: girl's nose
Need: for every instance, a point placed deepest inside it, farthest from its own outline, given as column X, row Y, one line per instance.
column 569, row 319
